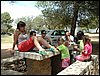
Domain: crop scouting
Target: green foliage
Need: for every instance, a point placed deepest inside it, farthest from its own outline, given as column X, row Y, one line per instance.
column 88, row 14
column 60, row 14
column 36, row 23
column 55, row 13
column 89, row 23
column 6, row 21
column 28, row 20
column 11, row 30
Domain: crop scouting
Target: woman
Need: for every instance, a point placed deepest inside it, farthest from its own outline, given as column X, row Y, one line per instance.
column 86, row 53
column 25, row 43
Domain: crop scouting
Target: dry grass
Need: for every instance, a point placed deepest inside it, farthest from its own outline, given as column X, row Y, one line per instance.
column 6, row 39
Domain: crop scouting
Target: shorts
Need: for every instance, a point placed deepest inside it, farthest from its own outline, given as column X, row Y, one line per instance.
column 82, row 58
column 26, row 45
column 65, row 62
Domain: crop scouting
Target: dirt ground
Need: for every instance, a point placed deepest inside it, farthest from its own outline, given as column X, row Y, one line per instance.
column 5, row 48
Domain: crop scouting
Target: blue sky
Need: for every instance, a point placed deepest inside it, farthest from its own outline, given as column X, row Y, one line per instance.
column 20, row 8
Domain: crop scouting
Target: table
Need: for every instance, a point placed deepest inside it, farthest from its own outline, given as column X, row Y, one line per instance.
column 38, row 64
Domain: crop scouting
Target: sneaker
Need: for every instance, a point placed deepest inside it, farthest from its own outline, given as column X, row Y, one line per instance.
column 51, row 49
column 42, row 52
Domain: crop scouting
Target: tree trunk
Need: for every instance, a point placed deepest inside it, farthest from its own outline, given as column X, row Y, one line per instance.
column 88, row 28
column 97, row 29
column 7, row 30
column 74, row 19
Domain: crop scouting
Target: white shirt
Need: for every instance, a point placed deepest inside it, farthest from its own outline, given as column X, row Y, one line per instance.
column 72, row 38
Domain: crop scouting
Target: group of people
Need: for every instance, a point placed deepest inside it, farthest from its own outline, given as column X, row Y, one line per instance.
column 81, row 45
column 26, row 43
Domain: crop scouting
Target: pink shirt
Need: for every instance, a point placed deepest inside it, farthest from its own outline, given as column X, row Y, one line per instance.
column 87, row 49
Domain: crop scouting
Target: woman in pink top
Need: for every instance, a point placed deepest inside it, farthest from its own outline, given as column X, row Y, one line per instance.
column 86, row 53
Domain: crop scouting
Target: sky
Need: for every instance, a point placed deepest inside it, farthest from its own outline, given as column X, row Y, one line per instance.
column 20, row 8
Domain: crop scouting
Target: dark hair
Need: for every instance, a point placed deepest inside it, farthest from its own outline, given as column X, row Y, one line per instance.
column 43, row 32
column 66, row 31
column 20, row 24
column 31, row 33
column 80, row 34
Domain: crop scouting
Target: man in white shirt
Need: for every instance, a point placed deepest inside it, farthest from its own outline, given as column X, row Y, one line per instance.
column 68, row 37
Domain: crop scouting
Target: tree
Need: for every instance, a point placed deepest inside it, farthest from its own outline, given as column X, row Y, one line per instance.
column 57, row 16
column 61, row 14
column 75, row 16
column 90, row 23
column 39, row 23
column 89, row 13
column 6, row 21
column 36, row 23
column 68, row 12
column 97, row 29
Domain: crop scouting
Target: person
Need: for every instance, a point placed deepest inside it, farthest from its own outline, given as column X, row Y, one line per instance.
column 65, row 56
column 86, row 53
column 79, row 36
column 32, row 33
column 48, row 39
column 25, row 43
column 79, row 41
column 68, row 37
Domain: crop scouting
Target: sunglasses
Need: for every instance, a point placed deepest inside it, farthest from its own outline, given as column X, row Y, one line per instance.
column 43, row 33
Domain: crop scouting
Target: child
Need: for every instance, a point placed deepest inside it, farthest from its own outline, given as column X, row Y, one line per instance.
column 65, row 56
column 86, row 53
column 80, row 37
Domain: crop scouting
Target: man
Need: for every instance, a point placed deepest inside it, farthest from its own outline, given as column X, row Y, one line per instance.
column 68, row 37
column 48, row 39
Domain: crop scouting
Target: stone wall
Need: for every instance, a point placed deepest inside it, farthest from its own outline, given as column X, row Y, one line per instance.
column 51, row 65
column 82, row 68
column 35, row 67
